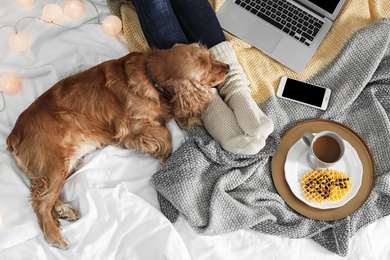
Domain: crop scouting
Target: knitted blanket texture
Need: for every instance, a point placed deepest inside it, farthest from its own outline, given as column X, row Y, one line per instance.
column 219, row 192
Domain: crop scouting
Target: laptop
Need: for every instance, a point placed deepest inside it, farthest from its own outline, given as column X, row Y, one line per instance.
column 288, row 31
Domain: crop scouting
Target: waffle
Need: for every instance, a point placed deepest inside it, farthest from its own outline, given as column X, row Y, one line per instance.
column 325, row 185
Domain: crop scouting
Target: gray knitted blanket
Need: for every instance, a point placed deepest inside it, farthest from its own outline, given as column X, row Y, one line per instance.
column 219, row 192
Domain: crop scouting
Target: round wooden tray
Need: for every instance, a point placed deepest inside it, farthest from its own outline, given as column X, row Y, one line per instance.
column 315, row 126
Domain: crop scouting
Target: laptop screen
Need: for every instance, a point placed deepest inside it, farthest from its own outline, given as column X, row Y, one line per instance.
column 327, row 5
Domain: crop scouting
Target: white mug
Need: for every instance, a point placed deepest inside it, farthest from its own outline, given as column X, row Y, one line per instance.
column 325, row 149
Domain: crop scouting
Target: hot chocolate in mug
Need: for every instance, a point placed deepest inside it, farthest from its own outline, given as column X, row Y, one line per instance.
column 325, row 149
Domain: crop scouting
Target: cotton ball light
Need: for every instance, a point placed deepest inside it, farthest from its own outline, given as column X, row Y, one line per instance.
column 112, row 25
column 19, row 41
column 10, row 83
column 51, row 13
column 25, row 3
column 74, row 9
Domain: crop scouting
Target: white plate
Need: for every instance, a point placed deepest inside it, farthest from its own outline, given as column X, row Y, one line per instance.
column 296, row 166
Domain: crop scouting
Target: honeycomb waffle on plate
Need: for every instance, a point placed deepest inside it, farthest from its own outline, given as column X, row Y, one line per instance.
column 325, row 185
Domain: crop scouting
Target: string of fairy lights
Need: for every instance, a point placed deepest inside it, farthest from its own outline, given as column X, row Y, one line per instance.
column 20, row 41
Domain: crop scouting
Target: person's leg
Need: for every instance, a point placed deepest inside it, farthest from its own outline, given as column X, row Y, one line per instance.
column 159, row 23
column 236, row 93
column 236, row 121
column 198, row 21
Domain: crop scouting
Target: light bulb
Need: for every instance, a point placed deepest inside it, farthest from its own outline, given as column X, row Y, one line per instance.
column 74, row 9
column 25, row 3
column 10, row 83
column 19, row 41
column 51, row 13
column 112, row 25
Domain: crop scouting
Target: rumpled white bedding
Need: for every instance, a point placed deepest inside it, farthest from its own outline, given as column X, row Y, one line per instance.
column 120, row 214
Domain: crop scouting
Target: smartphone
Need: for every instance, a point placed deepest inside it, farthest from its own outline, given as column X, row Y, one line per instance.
column 303, row 93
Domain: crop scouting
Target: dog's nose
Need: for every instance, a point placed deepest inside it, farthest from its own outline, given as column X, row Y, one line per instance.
column 227, row 69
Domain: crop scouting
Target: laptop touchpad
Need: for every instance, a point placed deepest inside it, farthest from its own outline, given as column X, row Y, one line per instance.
column 262, row 37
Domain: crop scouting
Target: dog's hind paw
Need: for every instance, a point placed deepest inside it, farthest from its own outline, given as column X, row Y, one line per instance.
column 66, row 212
column 60, row 243
column 55, row 238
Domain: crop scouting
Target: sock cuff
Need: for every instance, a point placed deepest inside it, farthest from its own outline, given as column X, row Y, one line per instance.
column 224, row 52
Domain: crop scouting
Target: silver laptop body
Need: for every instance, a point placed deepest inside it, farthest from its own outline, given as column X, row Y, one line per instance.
column 254, row 22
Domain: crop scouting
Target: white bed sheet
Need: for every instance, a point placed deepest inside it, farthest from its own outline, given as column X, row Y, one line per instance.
column 120, row 213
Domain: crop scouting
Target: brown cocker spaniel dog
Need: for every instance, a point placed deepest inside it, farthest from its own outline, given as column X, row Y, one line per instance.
column 124, row 102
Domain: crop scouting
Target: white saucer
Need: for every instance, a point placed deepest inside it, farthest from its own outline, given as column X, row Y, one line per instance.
column 296, row 166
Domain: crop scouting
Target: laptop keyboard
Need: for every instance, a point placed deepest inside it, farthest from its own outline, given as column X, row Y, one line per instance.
column 285, row 16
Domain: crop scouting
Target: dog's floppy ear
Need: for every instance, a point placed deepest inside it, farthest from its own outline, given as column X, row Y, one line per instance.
column 189, row 101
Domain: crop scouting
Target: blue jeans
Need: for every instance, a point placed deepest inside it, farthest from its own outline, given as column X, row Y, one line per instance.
column 167, row 22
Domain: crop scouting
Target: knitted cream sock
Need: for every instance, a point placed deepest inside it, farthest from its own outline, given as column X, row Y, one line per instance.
column 249, row 116
column 220, row 121
column 237, row 95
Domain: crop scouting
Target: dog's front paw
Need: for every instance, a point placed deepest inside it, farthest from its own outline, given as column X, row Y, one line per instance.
column 188, row 123
column 163, row 150
column 163, row 158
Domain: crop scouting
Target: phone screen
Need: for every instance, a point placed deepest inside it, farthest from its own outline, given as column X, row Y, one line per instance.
column 304, row 92
column 328, row 5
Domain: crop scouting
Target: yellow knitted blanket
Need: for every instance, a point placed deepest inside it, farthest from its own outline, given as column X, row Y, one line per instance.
column 263, row 72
